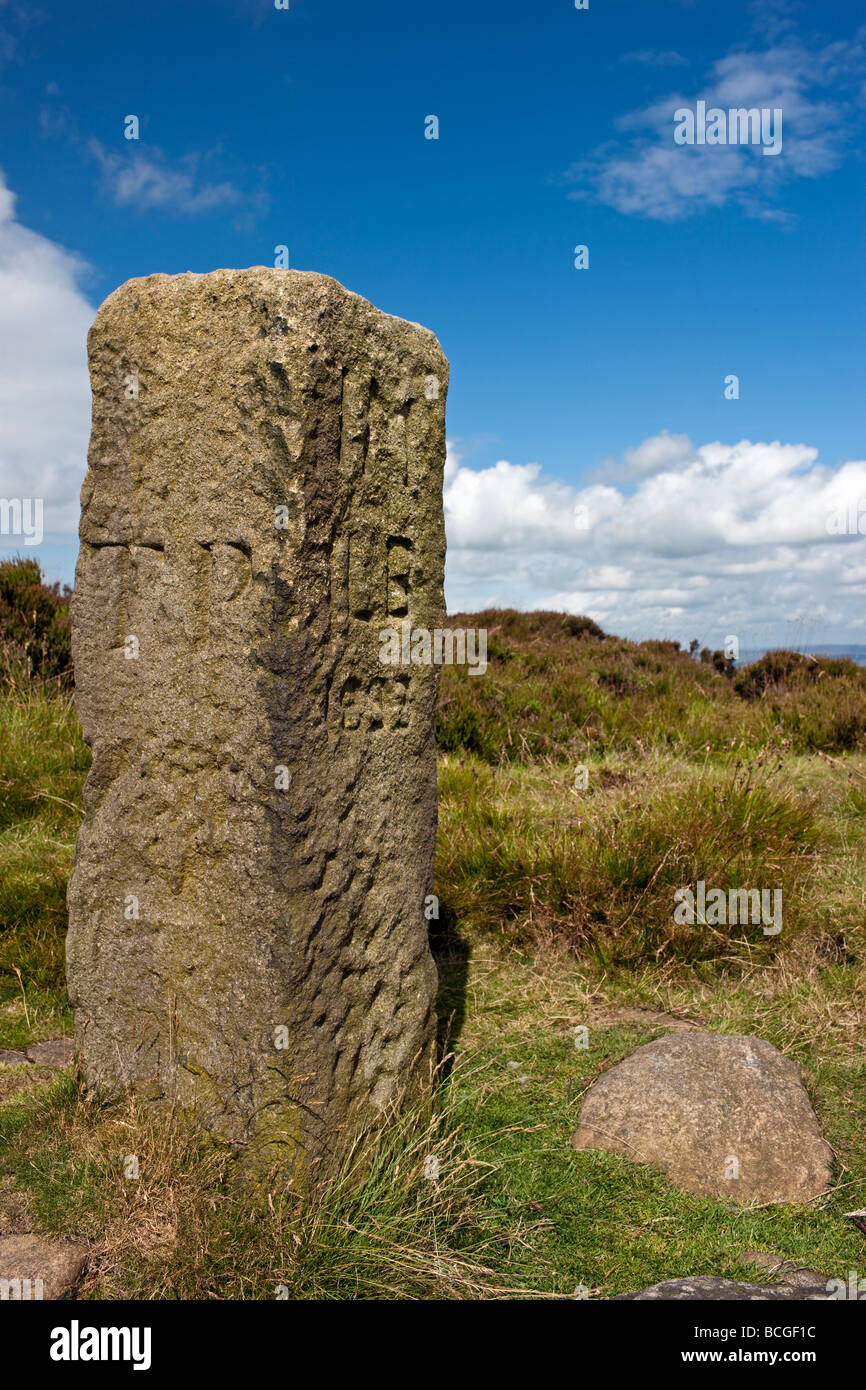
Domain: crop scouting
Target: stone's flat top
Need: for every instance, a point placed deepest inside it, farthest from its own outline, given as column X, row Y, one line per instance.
column 262, row 278
column 704, row 1288
column 722, row 1116
column 59, row 1264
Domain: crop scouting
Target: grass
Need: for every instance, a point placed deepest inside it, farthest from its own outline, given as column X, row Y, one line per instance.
column 556, row 911
column 526, row 856
column 184, row 1228
column 43, row 761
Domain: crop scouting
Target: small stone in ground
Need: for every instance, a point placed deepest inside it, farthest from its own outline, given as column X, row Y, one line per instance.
column 54, row 1052
column 12, row 1059
column 706, row 1287
column 58, row 1264
column 721, row 1116
column 786, row 1271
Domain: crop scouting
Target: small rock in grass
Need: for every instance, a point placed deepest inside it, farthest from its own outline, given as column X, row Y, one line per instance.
column 33, row 1267
column 706, row 1287
column 54, row 1052
column 12, row 1059
column 722, row 1116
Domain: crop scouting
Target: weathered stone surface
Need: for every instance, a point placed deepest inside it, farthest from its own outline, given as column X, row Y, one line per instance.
column 12, row 1059
column 700, row 1106
column 54, row 1052
column 705, row 1287
column 58, row 1264
column 247, row 930
column 796, row 1284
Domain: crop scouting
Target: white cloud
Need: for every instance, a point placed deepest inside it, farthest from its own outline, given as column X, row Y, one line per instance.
column 703, row 541
column 44, row 390
column 142, row 176
column 819, row 89
column 18, row 17
column 145, row 179
column 660, row 452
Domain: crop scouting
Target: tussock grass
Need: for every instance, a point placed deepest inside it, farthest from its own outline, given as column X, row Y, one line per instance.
column 189, row 1227
column 526, row 856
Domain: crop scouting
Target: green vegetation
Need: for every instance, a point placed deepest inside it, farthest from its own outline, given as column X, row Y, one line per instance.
column 556, row 911
column 555, row 688
column 34, row 624
column 43, row 762
column 527, row 857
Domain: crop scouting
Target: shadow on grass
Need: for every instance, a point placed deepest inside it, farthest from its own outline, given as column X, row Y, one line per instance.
column 451, row 953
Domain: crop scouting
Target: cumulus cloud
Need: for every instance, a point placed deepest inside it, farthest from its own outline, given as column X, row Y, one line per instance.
column 44, row 391
column 140, row 175
column 145, row 179
column 662, row 452
column 819, row 88
column 702, row 541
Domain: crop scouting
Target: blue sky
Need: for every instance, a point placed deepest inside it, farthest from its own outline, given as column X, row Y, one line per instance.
column 601, row 388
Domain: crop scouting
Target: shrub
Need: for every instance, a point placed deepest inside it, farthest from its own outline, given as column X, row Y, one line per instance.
column 784, row 671
column 34, row 624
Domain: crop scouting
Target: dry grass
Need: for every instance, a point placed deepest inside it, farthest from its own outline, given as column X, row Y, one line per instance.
column 189, row 1226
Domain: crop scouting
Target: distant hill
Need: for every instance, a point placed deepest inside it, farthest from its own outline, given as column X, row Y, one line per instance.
column 854, row 653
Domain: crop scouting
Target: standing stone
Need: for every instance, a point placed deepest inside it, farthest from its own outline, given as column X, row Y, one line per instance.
column 264, row 495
